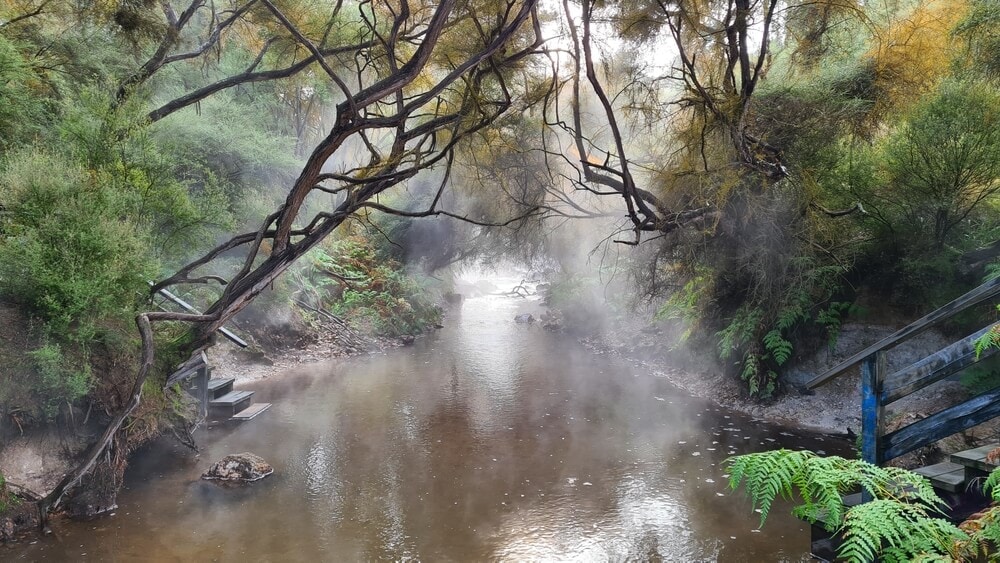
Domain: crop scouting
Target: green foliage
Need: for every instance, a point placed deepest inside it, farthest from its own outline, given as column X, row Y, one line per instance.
column 989, row 340
column 761, row 332
column 891, row 531
column 983, row 376
column 21, row 112
column 67, row 246
column 7, row 499
column 978, row 29
column 831, row 318
column 59, row 380
column 685, row 305
column 348, row 277
column 899, row 524
column 945, row 162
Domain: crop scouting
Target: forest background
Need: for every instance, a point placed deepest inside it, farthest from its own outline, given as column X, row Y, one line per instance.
column 760, row 172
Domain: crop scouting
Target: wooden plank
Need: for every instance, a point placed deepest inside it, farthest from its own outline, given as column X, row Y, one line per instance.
column 946, row 475
column 188, row 369
column 251, row 412
column 231, row 398
column 953, row 481
column 872, row 369
column 189, row 308
column 214, row 384
column 938, row 469
column 976, row 458
column 940, row 425
column 203, row 391
column 982, row 293
column 935, row 367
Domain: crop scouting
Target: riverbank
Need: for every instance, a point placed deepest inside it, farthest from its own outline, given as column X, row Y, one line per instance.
column 832, row 409
column 228, row 360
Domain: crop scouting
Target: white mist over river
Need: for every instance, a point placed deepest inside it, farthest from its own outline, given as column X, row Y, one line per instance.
column 486, row 440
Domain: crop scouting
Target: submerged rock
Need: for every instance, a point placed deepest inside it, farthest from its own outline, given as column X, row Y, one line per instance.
column 524, row 318
column 552, row 320
column 239, row 468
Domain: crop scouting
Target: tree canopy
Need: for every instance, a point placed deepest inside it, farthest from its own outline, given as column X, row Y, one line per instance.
column 765, row 162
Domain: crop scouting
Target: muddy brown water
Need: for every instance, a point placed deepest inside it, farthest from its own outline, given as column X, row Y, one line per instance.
column 485, row 441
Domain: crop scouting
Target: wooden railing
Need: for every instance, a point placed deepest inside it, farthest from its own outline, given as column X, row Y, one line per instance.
column 879, row 388
column 190, row 309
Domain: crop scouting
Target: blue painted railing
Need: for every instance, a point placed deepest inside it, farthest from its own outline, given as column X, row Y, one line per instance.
column 879, row 388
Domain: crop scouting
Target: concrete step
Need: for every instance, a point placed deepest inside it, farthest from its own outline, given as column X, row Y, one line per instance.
column 219, row 387
column 229, row 404
column 976, row 458
column 947, row 476
column 250, row 412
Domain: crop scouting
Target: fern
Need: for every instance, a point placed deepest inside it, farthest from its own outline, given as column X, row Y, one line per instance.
column 779, row 348
column 888, row 530
column 831, row 318
column 768, row 475
column 900, row 524
column 685, row 304
column 989, row 340
column 740, row 331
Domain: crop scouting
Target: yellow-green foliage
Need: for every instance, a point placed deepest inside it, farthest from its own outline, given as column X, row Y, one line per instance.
column 60, row 381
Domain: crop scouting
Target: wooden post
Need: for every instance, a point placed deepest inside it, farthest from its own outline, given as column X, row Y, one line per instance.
column 203, row 375
column 872, row 372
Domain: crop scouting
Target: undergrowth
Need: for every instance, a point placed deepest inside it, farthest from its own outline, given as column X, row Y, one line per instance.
column 902, row 522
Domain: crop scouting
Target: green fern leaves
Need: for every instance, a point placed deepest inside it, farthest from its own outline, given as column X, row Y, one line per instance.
column 778, row 346
column 898, row 525
column 890, row 530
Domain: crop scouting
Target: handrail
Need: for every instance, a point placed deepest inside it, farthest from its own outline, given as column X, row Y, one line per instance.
column 190, row 309
column 982, row 293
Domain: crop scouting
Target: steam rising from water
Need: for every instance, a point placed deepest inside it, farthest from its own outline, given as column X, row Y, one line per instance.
column 486, row 440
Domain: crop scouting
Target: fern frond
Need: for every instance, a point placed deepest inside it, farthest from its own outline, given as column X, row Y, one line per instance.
column 768, row 475
column 778, row 346
column 889, row 530
column 990, row 486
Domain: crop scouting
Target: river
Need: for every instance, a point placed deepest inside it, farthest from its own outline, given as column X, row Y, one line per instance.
column 486, row 440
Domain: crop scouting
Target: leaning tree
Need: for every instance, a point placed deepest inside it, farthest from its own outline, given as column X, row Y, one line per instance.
column 423, row 79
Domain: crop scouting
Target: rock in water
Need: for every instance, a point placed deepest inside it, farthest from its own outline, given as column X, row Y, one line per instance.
column 239, row 468
column 524, row 318
column 552, row 320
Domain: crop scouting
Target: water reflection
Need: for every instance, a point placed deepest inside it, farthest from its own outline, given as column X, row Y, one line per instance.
column 485, row 441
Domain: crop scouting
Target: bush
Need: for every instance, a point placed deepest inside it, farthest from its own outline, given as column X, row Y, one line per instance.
column 59, row 381
column 68, row 249
column 350, row 278
column 7, row 500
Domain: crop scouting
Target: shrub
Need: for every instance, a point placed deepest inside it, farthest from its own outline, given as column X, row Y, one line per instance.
column 67, row 246
column 350, row 278
column 59, row 381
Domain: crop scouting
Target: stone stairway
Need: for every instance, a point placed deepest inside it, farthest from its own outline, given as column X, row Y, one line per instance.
column 225, row 403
